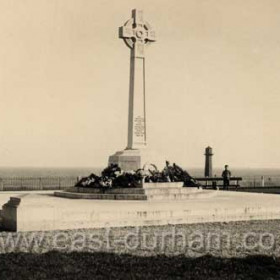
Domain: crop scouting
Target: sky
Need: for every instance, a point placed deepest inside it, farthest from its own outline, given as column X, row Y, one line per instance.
column 212, row 78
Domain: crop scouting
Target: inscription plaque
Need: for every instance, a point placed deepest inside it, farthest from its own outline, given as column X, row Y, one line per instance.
column 139, row 126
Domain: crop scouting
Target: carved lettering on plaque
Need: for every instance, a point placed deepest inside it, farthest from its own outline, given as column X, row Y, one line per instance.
column 139, row 126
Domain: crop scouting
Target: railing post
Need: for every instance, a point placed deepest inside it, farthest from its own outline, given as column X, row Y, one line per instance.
column 262, row 181
column 40, row 184
column 1, row 184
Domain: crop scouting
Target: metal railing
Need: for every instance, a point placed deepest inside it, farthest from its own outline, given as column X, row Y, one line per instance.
column 60, row 183
column 261, row 181
column 36, row 183
column 244, row 182
column 218, row 181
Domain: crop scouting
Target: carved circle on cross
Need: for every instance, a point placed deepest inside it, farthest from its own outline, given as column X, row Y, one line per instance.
column 140, row 33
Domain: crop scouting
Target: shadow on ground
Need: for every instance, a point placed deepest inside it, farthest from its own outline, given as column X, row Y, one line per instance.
column 57, row 265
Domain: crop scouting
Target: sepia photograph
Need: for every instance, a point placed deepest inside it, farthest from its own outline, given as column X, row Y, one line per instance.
column 139, row 139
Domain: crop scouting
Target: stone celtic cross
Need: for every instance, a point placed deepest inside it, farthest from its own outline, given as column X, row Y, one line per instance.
column 137, row 34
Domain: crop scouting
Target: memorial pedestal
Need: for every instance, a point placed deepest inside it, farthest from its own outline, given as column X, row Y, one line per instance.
column 127, row 160
column 133, row 159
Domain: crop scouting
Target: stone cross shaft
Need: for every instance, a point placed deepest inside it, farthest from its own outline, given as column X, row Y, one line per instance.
column 137, row 34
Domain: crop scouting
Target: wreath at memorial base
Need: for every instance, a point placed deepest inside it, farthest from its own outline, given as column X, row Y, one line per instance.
column 113, row 177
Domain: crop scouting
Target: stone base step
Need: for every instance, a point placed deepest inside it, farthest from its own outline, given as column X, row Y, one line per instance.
column 106, row 196
column 182, row 196
column 144, row 196
column 147, row 191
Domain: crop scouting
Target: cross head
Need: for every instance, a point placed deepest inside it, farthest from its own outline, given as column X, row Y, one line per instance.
column 137, row 33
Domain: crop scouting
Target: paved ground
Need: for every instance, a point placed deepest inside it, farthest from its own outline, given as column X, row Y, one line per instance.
column 235, row 248
column 223, row 199
column 228, row 199
column 5, row 195
column 43, row 211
